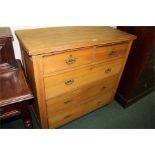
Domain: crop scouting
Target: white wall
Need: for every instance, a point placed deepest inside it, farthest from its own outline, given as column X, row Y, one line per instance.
column 16, row 43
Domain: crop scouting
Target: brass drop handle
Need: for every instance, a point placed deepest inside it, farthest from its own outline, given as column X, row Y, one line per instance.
column 67, row 116
column 108, row 70
column 99, row 102
column 69, row 82
column 104, row 87
column 1, row 109
column 67, row 101
column 70, row 60
column 113, row 52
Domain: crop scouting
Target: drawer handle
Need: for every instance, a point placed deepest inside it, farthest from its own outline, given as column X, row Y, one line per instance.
column 104, row 87
column 1, row 109
column 69, row 82
column 67, row 101
column 108, row 70
column 113, row 52
column 99, row 102
column 67, row 116
column 70, row 60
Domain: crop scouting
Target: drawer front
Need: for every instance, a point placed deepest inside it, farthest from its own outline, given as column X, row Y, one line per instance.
column 64, row 116
column 62, row 83
column 80, row 95
column 67, row 60
column 107, row 53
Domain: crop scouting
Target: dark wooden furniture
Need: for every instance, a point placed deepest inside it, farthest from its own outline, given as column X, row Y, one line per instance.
column 14, row 91
column 138, row 77
column 6, row 47
column 14, row 94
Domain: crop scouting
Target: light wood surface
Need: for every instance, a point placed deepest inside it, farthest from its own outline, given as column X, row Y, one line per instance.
column 67, row 60
column 73, row 70
column 59, row 118
column 81, row 94
column 40, row 92
column 59, row 84
column 28, row 64
column 45, row 40
column 107, row 53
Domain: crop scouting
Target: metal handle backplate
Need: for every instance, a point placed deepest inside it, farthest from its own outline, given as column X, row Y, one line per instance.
column 70, row 60
column 104, row 87
column 69, row 82
column 113, row 52
column 108, row 70
column 67, row 116
column 99, row 102
column 67, row 101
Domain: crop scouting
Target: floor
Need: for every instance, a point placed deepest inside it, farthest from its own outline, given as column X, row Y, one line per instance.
column 140, row 115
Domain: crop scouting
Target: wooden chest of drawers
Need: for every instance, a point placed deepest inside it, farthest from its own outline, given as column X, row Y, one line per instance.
column 72, row 70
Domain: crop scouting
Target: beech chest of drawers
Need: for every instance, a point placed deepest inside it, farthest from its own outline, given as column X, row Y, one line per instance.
column 72, row 70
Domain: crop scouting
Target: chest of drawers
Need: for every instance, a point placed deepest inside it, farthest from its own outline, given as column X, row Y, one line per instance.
column 72, row 70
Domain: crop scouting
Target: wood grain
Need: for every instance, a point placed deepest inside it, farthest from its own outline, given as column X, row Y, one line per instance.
column 61, row 117
column 57, row 39
column 15, row 94
column 109, row 53
column 67, row 60
column 28, row 64
column 40, row 92
column 13, row 86
column 79, row 95
column 95, row 57
column 56, row 85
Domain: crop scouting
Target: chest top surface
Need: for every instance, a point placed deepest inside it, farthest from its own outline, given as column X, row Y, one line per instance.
column 54, row 39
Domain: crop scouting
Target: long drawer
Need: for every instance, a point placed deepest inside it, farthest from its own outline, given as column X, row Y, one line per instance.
column 80, row 95
column 59, row 84
column 66, row 115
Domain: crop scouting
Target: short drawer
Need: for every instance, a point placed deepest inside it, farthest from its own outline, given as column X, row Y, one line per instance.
column 67, row 60
column 111, row 52
column 62, row 83
column 64, row 116
column 81, row 94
